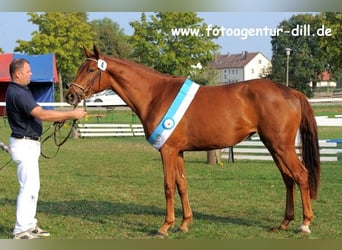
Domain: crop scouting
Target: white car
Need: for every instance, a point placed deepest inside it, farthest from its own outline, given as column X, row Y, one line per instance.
column 108, row 97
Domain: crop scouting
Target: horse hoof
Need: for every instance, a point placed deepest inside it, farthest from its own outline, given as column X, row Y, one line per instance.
column 161, row 234
column 280, row 228
column 183, row 229
column 304, row 229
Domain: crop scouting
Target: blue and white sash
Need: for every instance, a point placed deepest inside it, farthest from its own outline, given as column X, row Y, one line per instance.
column 174, row 114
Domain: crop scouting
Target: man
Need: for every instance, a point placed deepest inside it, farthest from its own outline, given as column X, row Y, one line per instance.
column 25, row 118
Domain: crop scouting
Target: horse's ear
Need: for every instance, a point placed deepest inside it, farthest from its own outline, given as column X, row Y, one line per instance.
column 97, row 52
column 87, row 52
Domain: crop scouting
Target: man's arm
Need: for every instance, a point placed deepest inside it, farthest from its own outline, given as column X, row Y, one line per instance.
column 56, row 116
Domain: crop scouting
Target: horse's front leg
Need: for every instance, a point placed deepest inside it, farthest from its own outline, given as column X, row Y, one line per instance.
column 169, row 159
column 182, row 186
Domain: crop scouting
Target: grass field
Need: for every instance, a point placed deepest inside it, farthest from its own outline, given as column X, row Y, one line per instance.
column 112, row 188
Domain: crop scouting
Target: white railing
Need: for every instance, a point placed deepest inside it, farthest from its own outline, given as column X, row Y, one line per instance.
column 325, row 121
column 109, row 130
column 256, row 150
column 325, row 100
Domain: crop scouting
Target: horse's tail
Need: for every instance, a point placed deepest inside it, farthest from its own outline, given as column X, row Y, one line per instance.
column 310, row 147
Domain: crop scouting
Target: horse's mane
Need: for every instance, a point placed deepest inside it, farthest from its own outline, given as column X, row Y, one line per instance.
column 133, row 64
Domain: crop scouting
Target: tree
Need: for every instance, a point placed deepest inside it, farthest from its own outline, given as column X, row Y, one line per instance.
column 331, row 45
column 111, row 39
column 306, row 58
column 61, row 33
column 156, row 45
column 1, row 51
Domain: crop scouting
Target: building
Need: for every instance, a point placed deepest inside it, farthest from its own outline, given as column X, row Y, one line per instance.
column 324, row 80
column 240, row 67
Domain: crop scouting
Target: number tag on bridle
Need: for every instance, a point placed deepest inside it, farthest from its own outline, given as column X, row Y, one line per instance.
column 101, row 64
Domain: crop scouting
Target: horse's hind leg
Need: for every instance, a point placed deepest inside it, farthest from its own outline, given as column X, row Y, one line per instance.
column 293, row 171
column 289, row 209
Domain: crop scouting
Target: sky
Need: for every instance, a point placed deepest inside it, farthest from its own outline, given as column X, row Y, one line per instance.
column 232, row 39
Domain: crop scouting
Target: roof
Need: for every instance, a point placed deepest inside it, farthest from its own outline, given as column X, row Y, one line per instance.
column 233, row 60
column 324, row 75
column 43, row 67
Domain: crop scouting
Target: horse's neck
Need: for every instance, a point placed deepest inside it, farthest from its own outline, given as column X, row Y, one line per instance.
column 147, row 92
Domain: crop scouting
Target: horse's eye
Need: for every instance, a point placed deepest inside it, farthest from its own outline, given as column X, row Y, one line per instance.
column 91, row 69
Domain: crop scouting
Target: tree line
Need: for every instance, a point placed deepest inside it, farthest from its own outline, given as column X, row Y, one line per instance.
column 152, row 44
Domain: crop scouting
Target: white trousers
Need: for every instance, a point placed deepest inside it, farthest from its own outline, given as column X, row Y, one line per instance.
column 25, row 154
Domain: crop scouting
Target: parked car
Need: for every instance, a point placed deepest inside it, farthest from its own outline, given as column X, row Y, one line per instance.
column 107, row 96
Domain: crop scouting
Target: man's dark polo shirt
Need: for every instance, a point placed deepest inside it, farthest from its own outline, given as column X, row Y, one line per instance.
column 19, row 104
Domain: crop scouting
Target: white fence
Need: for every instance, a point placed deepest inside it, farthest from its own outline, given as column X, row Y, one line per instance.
column 324, row 121
column 109, row 130
column 256, row 150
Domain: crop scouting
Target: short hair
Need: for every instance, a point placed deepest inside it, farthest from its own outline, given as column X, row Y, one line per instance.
column 17, row 64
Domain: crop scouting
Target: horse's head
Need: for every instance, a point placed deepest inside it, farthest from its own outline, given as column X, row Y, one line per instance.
column 91, row 78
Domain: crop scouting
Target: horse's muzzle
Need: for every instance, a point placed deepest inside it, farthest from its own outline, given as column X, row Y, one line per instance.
column 72, row 98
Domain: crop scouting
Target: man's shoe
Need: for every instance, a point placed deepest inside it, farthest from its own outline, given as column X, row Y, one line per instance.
column 40, row 232
column 27, row 235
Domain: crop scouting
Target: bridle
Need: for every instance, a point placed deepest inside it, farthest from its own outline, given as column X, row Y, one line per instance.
column 101, row 66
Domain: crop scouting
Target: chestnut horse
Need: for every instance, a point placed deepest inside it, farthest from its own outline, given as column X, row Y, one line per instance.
column 214, row 117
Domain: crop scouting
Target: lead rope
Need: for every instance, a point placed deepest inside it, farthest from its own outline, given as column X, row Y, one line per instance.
column 6, row 149
column 57, row 127
column 6, row 164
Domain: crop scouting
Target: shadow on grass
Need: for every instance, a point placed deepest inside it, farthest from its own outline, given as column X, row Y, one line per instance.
column 98, row 211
